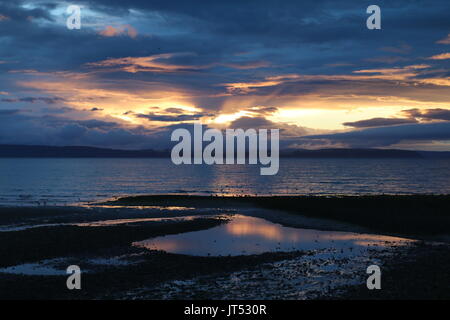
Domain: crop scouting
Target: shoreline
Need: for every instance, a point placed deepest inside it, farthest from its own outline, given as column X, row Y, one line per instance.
column 420, row 216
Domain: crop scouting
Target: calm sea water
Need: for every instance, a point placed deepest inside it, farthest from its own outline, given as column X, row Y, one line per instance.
column 67, row 181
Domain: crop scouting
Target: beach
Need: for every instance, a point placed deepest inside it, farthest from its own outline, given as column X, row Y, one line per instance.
column 211, row 247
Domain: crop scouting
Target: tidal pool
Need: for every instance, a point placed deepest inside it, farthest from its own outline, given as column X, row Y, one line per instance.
column 245, row 235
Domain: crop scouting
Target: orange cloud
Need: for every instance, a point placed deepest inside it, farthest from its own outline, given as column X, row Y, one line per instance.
column 138, row 64
column 441, row 56
column 246, row 87
column 407, row 73
column 113, row 99
column 154, row 63
column 446, row 40
column 3, row 17
column 110, row 31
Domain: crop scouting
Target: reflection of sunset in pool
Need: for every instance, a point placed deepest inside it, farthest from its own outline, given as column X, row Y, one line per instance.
column 246, row 226
column 250, row 235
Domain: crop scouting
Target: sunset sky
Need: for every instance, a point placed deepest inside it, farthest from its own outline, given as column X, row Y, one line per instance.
column 138, row 69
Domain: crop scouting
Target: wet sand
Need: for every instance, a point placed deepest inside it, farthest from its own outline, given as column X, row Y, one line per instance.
column 39, row 243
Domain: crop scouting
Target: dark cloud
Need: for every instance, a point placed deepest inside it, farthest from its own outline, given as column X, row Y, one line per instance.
column 248, row 122
column 97, row 124
column 174, row 110
column 57, row 110
column 386, row 136
column 18, row 128
column 49, row 100
column 428, row 114
column 15, row 11
column 287, row 131
column 9, row 111
column 25, row 128
column 412, row 116
column 263, row 111
column 378, row 122
column 303, row 21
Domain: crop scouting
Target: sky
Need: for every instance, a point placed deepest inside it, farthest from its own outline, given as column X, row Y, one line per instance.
column 137, row 70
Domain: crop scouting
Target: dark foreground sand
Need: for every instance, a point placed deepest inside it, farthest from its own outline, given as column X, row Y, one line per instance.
column 53, row 238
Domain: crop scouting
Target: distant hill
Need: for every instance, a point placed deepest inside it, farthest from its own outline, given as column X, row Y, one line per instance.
column 362, row 153
column 350, row 153
column 24, row 151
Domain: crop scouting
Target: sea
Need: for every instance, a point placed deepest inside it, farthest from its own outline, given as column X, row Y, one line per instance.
column 69, row 181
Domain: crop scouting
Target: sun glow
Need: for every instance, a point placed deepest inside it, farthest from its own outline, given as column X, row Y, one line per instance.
column 329, row 119
column 229, row 117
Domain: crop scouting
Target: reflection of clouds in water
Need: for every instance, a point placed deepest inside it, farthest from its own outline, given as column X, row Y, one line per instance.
column 167, row 245
column 125, row 221
column 252, row 226
column 250, row 235
column 366, row 238
column 244, row 225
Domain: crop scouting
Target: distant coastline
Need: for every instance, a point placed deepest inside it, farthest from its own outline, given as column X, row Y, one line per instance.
column 40, row 151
